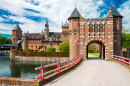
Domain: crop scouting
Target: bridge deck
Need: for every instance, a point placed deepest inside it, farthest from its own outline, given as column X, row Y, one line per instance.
column 95, row 72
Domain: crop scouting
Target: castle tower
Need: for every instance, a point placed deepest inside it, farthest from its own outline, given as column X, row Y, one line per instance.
column 65, row 32
column 46, row 30
column 24, row 42
column 117, row 28
column 74, row 20
column 16, row 33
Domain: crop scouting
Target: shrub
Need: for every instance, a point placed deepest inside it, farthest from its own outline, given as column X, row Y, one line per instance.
column 20, row 49
column 51, row 49
column 64, row 46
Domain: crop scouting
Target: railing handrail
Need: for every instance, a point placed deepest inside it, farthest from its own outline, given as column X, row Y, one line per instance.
column 121, row 59
column 69, row 62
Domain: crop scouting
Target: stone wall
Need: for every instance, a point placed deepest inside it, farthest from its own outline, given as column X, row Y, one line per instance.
column 36, row 58
column 11, row 81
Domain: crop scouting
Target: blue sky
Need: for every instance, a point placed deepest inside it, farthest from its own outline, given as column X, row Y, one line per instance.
column 32, row 14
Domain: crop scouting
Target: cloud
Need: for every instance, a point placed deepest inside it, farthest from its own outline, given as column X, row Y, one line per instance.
column 30, row 13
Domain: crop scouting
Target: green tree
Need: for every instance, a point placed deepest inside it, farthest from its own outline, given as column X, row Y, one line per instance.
column 4, row 40
column 51, row 49
column 64, row 46
column 91, row 48
column 125, row 38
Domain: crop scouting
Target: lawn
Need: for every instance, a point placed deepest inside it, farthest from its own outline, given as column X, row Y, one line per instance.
column 95, row 54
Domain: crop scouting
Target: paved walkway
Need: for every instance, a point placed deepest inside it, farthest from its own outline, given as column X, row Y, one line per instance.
column 95, row 72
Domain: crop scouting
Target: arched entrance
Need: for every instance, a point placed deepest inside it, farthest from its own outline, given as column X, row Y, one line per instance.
column 102, row 49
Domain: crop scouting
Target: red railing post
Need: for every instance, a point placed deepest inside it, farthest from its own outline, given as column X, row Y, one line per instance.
column 119, row 59
column 58, row 68
column 129, row 62
column 115, row 57
column 124, row 60
column 67, row 66
column 73, row 61
column 42, row 73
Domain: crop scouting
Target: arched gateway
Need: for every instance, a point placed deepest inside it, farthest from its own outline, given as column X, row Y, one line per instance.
column 105, row 32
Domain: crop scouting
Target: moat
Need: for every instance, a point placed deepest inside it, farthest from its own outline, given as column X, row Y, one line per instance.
column 22, row 69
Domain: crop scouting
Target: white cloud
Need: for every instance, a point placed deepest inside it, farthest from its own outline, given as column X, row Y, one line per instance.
column 125, row 12
column 57, row 11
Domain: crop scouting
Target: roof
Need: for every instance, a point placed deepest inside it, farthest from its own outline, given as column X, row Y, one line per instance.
column 115, row 12
column 75, row 13
column 66, row 25
column 46, row 25
column 54, row 36
column 34, row 35
column 17, row 27
column 14, row 44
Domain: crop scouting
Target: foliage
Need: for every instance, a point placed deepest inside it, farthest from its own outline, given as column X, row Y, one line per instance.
column 51, row 49
column 4, row 40
column 45, row 54
column 64, row 46
column 20, row 49
column 95, row 54
column 125, row 38
column 91, row 48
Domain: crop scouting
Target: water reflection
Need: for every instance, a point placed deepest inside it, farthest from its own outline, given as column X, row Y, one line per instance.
column 23, row 69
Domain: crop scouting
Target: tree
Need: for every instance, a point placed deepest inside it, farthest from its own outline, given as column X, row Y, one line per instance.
column 64, row 46
column 4, row 40
column 51, row 49
column 125, row 38
column 91, row 48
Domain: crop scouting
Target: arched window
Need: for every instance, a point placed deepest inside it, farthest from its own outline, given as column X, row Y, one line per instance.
column 101, row 26
column 95, row 26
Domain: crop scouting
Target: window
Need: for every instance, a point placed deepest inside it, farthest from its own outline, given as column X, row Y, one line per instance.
column 50, row 43
column 57, row 43
column 65, row 36
column 95, row 25
column 74, row 32
column 100, row 25
column 90, row 30
column 36, row 46
column 90, row 25
column 96, row 29
column 100, row 29
column 32, row 46
column 13, row 47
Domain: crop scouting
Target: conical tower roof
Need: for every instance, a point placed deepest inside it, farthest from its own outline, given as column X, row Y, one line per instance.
column 75, row 13
column 115, row 12
column 17, row 27
column 66, row 25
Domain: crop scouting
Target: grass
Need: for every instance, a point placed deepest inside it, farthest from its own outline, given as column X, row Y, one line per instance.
column 5, row 51
column 95, row 54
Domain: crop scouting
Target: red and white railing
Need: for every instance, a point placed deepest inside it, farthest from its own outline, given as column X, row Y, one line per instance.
column 57, row 70
column 121, row 59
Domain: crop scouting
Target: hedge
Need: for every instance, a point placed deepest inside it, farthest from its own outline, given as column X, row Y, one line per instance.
column 45, row 54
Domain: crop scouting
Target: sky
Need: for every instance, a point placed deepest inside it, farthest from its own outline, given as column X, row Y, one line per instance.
column 31, row 14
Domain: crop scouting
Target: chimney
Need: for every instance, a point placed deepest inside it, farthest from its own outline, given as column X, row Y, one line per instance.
column 109, row 12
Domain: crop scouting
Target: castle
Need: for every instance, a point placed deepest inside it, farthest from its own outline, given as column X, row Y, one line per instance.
column 80, row 32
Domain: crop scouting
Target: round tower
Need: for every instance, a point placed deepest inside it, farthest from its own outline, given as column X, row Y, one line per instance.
column 24, row 43
column 74, row 20
column 46, row 30
column 16, row 33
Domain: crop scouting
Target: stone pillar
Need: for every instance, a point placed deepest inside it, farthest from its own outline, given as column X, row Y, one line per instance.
column 12, row 54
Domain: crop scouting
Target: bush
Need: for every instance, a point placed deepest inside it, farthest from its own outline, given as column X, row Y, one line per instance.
column 20, row 49
column 64, row 46
column 45, row 54
column 51, row 49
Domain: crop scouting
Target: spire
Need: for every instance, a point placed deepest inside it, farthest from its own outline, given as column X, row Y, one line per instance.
column 115, row 12
column 75, row 13
column 113, row 4
column 46, row 25
column 46, row 21
column 17, row 27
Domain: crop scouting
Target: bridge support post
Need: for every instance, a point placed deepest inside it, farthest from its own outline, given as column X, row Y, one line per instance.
column 12, row 54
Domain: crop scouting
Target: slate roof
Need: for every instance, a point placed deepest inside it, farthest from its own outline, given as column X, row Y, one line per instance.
column 34, row 35
column 115, row 12
column 54, row 36
column 17, row 27
column 75, row 13
column 66, row 25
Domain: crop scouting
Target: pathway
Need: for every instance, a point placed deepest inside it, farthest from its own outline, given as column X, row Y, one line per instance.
column 95, row 72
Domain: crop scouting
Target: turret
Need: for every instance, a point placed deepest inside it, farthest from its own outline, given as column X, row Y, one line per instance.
column 24, row 42
column 16, row 33
column 46, row 30
column 74, row 23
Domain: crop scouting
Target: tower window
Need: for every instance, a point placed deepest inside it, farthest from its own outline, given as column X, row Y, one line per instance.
column 95, row 25
column 90, row 25
column 65, row 36
column 75, row 32
column 100, row 25
column 100, row 29
column 96, row 29
column 90, row 30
